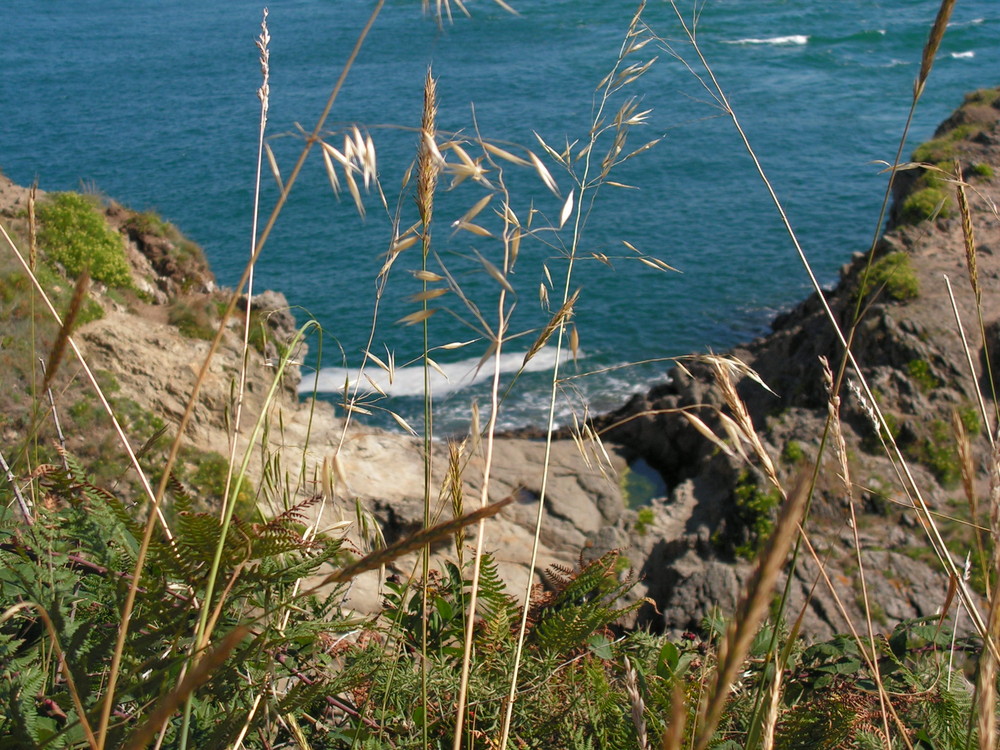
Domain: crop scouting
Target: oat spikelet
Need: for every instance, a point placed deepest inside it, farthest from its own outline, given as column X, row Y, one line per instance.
column 724, row 367
column 752, row 609
column 840, row 447
column 428, row 161
column 932, row 46
column 967, row 233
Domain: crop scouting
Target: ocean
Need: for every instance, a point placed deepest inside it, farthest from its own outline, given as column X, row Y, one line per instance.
column 155, row 105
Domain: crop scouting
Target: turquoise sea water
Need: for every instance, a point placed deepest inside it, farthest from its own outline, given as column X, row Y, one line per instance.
column 155, row 105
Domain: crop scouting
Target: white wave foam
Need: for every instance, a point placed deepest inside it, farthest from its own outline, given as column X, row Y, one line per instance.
column 967, row 55
column 775, row 40
column 409, row 381
column 959, row 24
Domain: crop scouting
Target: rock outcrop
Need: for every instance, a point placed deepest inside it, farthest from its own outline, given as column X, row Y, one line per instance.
column 911, row 353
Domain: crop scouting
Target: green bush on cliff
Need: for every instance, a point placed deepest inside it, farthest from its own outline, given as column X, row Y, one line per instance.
column 894, row 274
column 924, row 204
column 73, row 232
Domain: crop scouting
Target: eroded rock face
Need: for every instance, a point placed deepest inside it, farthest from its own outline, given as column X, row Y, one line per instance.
column 909, row 350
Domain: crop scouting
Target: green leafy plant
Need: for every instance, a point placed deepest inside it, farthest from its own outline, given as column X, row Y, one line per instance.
column 73, row 233
column 893, row 274
column 926, row 203
column 920, row 371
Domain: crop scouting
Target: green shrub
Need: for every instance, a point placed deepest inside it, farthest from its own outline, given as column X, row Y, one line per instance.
column 983, row 96
column 944, row 148
column 920, row 371
column 73, row 232
column 983, row 170
column 209, row 481
column 926, row 204
column 752, row 518
column 792, row 453
column 644, row 519
column 894, row 273
column 937, row 451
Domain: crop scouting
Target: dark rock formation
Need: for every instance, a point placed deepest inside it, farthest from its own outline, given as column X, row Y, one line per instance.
column 910, row 352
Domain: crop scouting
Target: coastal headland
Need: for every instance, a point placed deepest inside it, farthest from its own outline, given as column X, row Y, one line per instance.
column 693, row 540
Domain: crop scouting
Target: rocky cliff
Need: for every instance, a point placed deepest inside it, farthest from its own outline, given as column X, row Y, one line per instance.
column 910, row 351
column 693, row 545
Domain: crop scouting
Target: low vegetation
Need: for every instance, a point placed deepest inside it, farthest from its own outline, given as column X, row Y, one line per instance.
column 74, row 234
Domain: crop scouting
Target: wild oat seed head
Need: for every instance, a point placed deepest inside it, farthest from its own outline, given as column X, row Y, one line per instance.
column 428, row 161
column 932, row 46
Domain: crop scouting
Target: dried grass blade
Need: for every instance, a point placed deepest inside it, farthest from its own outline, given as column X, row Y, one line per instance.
column 437, row 368
column 403, row 243
column 429, row 295
column 59, row 347
column 416, row 317
column 429, row 276
column 195, row 677
column 352, row 186
column 412, row 543
column 375, row 386
column 403, row 423
column 567, row 209
column 475, row 229
column 548, row 149
column 705, row 430
column 372, row 356
column 331, row 172
column 474, row 211
column 495, row 272
column 544, row 174
column 562, row 314
column 505, row 155
column 273, row 163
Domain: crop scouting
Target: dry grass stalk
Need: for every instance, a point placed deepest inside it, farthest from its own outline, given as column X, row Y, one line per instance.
column 199, row 674
column 771, row 717
column 32, row 227
column 674, row 735
column 59, row 347
column 752, row 609
column 986, row 681
column 965, row 460
column 840, row 450
column 932, row 46
column 637, row 704
column 412, row 543
column 23, row 504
